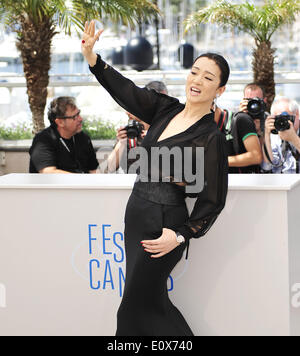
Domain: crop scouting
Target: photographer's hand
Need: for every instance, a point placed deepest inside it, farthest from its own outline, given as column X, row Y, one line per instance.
column 269, row 126
column 291, row 136
column 243, row 105
column 288, row 135
column 122, row 135
column 163, row 245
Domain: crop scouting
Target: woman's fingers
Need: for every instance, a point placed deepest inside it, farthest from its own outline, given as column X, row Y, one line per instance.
column 162, row 245
column 158, row 251
column 159, row 255
column 99, row 33
column 153, row 250
column 90, row 29
column 152, row 245
column 151, row 242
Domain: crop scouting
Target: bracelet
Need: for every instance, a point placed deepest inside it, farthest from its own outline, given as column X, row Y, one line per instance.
column 179, row 238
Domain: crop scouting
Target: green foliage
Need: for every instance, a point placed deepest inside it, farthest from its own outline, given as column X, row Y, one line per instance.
column 16, row 132
column 36, row 22
column 259, row 21
column 98, row 130
column 176, row 5
column 66, row 13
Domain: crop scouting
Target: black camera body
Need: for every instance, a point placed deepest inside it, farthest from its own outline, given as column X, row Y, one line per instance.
column 281, row 122
column 256, row 108
column 134, row 129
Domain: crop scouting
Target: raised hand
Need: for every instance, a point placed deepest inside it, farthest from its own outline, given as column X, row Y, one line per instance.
column 89, row 39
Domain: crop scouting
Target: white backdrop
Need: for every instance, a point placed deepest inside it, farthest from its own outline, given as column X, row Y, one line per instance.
column 62, row 261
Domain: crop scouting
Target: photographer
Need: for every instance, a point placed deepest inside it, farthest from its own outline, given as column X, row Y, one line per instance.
column 243, row 138
column 282, row 144
column 256, row 92
column 119, row 156
column 130, row 137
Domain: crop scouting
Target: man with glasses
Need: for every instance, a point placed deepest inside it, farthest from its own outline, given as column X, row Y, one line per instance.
column 63, row 147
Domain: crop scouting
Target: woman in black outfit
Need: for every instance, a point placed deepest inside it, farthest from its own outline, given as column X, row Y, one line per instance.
column 158, row 227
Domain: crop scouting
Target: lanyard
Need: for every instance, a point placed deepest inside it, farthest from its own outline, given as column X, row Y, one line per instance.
column 73, row 156
column 65, row 145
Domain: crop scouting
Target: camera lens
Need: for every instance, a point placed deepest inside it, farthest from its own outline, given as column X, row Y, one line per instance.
column 134, row 129
column 282, row 121
column 280, row 124
column 256, row 107
column 132, row 132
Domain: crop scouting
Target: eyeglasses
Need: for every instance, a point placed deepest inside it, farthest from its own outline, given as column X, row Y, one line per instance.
column 74, row 117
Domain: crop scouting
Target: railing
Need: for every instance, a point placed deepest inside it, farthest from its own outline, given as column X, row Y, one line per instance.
column 142, row 78
column 14, row 102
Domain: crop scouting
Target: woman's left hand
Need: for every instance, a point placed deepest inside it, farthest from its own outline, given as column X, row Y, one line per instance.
column 163, row 245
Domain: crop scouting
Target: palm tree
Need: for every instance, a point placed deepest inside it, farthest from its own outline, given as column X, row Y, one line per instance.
column 36, row 23
column 260, row 22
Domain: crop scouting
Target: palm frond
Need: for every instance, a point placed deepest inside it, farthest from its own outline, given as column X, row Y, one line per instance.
column 258, row 21
column 224, row 13
column 76, row 12
column 127, row 11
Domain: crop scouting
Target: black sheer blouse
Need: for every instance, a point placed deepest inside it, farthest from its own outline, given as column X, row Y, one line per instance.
column 158, row 110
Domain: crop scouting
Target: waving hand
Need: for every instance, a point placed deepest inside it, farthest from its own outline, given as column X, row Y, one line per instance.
column 89, row 39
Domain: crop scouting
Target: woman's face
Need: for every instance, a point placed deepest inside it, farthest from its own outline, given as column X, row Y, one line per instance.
column 203, row 82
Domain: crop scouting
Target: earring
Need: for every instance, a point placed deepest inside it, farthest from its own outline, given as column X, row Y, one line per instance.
column 215, row 102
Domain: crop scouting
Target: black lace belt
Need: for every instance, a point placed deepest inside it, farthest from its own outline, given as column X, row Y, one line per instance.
column 160, row 192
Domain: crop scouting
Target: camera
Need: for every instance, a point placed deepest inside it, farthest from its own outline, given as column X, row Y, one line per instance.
column 282, row 122
column 256, row 108
column 134, row 129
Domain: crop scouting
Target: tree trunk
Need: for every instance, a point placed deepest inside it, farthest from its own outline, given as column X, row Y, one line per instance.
column 34, row 43
column 263, row 69
column 156, row 22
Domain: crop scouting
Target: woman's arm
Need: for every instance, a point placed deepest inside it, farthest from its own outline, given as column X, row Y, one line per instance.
column 140, row 102
column 211, row 201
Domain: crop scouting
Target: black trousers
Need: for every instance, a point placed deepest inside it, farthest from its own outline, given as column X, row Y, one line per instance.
column 146, row 309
